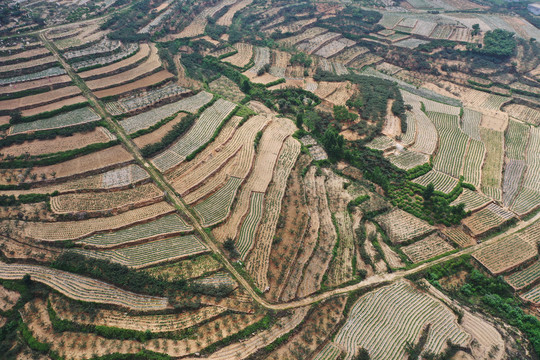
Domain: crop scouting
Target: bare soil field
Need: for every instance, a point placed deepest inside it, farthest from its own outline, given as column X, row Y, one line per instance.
column 138, row 84
column 242, row 57
column 27, row 65
column 8, row 298
column 75, row 141
column 36, row 100
column 54, row 106
column 226, row 19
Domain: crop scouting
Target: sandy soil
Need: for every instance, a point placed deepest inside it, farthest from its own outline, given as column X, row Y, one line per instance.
column 496, row 121
column 8, row 298
column 36, row 100
column 392, row 124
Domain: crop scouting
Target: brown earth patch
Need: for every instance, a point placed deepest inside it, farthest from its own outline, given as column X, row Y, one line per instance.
column 157, row 135
column 138, row 84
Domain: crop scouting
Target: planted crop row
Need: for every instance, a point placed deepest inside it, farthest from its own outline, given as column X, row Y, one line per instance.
column 523, row 278
column 492, row 216
column 513, row 173
column 123, row 176
column 328, row 352
column 426, row 248
column 452, row 143
column 73, row 230
column 83, row 288
column 532, row 295
column 381, row 143
column 150, row 253
column 259, row 258
column 458, row 237
column 308, row 34
column 334, row 47
column 471, row 199
column 217, row 206
column 400, row 226
column 408, row 160
column 169, row 224
column 53, row 71
column 152, row 117
column 70, row 118
column 528, row 197
column 384, row 320
column 246, row 236
column 523, row 113
column 442, row 182
column 126, row 52
column 471, row 123
column 493, row 164
column 199, row 134
column 473, row 161
column 506, row 254
column 146, row 99
column 517, row 135
column 103, row 46
column 262, row 58
column 87, row 201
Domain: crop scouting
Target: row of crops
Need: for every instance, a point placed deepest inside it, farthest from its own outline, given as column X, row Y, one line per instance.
column 123, row 176
column 442, row 182
column 50, row 72
column 506, row 254
column 529, row 194
column 150, row 253
column 148, row 98
column 217, row 206
column 408, row 159
column 82, row 288
column 402, row 226
column 490, row 217
column 198, row 135
column 452, row 146
column 125, row 52
column 471, row 199
column 103, row 46
column 427, row 248
column 373, row 319
column 74, row 230
column 147, row 119
column 246, row 236
column 70, row 118
column 166, row 225
column 493, row 164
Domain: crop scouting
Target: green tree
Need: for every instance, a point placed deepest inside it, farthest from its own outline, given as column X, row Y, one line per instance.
column 429, row 191
column 333, row 143
column 363, row 354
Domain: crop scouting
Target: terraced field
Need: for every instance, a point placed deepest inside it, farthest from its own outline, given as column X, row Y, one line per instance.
column 167, row 225
column 505, row 255
column 523, row 278
column 150, row 253
column 217, row 206
column 402, row 226
column 487, row 219
column 427, row 248
column 442, row 182
column 70, row 118
column 374, row 319
column 493, row 164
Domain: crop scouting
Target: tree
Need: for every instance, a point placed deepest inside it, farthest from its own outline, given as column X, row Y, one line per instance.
column 333, row 143
column 476, row 29
column 341, row 114
column 27, row 280
column 428, row 191
column 231, row 247
column 363, row 354
column 16, row 116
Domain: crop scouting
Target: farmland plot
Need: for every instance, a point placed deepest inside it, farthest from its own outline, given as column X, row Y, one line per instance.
column 523, row 278
column 27, row 66
column 258, row 180
column 529, row 194
column 513, row 173
column 442, row 182
column 262, row 58
column 150, row 253
column 334, row 47
column 150, row 65
column 329, row 352
column 166, row 225
column 306, row 35
column 409, row 137
column 242, row 57
column 427, row 248
column 45, row 84
column 452, row 146
column 226, row 19
column 258, row 259
column 381, row 143
column 50, row 72
column 227, row 88
column 250, row 224
column 70, row 118
column 75, row 230
column 408, row 159
column 532, row 295
column 102, row 201
column 217, row 206
column 383, row 320
column 490, row 217
column 471, row 123
column 505, row 255
column 493, row 164
column 523, row 113
column 155, row 22
column 197, row 26
column 33, row 101
column 24, row 55
column 347, row 56
column 402, row 226
column 143, row 52
column 426, row 135
column 314, row 44
column 200, row 133
column 145, row 82
column 82, row 288
column 120, row 319
column 152, row 117
column 473, row 161
column 457, row 236
column 231, row 154
column 471, row 199
column 102, row 47
column 146, row 99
